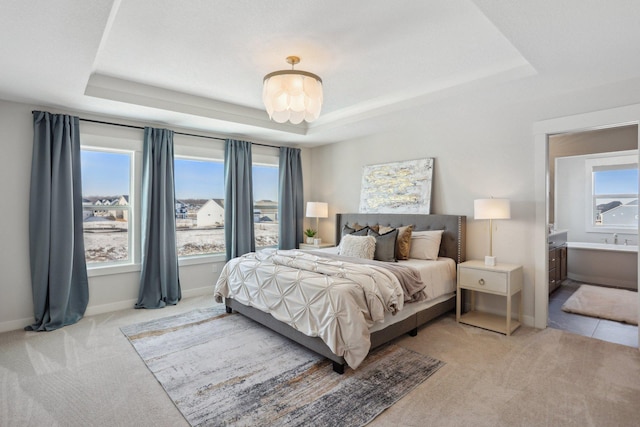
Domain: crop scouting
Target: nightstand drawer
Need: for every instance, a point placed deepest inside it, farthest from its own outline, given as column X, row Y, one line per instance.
column 483, row 280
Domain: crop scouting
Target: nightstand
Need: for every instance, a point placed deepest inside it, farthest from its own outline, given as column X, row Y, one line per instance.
column 311, row 247
column 502, row 279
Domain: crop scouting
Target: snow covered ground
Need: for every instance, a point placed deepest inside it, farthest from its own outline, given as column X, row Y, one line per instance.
column 107, row 240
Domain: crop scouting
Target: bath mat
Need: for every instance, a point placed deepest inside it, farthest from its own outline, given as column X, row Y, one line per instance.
column 225, row 369
column 605, row 303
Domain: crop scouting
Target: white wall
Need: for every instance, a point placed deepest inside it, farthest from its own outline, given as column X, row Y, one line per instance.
column 477, row 155
column 16, row 137
column 482, row 148
column 106, row 292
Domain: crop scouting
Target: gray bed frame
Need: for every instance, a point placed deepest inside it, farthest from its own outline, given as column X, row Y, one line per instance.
column 452, row 246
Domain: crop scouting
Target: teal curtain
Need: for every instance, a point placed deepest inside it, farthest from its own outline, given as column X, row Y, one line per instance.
column 238, row 201
column 290, row 199
column 159, row 281
column 56, row 246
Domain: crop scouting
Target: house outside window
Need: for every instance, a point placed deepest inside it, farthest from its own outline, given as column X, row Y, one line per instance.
column 107, row 206
column 613, row 194
column 265, row 205
column 199, row 184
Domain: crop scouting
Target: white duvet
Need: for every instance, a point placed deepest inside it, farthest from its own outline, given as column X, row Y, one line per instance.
column 334, row 300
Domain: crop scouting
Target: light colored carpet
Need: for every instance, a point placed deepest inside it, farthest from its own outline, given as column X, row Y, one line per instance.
column 224, row 369
column 88, row 374
column 605, row 303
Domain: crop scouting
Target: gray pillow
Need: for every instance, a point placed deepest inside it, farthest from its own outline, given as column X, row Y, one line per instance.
column 385, row 245
column 347, row 230
column 362, row 232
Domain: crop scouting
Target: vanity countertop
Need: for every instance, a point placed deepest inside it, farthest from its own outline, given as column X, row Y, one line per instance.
column 557, row 232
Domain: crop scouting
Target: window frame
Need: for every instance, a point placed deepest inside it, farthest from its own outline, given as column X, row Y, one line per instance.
column 603, row 163
column 265, row 161
column 98, row 137
column 202, row 258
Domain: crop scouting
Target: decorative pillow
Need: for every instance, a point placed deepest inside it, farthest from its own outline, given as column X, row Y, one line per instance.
column 385, row 245
column 403, row 243
column 362, row 232
column 358, row 246
column 347, row 230
column 358, row 227
column 383, row 229
column 425, row 244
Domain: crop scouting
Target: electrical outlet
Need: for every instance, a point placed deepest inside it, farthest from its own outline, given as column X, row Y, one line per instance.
column 214, row 268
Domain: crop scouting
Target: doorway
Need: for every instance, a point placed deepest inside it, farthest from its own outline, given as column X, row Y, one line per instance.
column 573, row 158
column 606, row 119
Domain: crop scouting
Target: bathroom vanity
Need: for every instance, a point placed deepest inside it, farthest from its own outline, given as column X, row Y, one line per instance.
column 557, row 258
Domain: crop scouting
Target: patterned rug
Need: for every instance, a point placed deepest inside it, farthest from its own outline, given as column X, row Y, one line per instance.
column 605, row 303
column 224, row 369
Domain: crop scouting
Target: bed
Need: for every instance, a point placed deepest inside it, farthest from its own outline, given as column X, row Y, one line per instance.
column 263, row 285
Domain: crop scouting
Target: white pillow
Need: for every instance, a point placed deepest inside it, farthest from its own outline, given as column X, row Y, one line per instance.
column 425, row 244
column 358, row 246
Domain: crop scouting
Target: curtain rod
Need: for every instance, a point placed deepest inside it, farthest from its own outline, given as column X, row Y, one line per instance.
column 177, row 133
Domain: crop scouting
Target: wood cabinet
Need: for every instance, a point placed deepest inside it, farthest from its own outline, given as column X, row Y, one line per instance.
column 557, row 259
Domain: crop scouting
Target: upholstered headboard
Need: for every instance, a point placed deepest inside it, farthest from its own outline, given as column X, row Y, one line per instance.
column 453, row 242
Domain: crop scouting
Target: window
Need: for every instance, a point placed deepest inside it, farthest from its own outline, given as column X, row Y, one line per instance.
column 613, row 193
column 265, row 205
column 106, row 206
column 199, row 185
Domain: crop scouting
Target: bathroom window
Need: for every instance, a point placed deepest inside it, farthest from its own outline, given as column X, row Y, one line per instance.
column 613, row 201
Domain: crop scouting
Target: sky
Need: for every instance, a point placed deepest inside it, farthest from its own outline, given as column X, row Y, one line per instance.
column 622, row 181
column 107, row 174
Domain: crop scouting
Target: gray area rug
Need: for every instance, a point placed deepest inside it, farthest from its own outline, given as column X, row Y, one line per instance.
column 605, row 303
column 224, row 369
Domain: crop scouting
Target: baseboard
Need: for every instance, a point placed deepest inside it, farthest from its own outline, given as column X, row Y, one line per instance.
column 92, row 310
column 197, row 292
column 12, row 325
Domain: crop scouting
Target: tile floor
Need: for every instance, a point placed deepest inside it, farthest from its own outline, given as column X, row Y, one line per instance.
column 606, row 330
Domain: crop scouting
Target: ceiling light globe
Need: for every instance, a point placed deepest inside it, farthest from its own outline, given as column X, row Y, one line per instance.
column 292, row 95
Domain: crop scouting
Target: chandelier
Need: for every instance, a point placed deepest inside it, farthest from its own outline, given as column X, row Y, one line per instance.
column 292, row 95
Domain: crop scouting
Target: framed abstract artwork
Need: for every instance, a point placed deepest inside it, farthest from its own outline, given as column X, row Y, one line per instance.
column 398, row 187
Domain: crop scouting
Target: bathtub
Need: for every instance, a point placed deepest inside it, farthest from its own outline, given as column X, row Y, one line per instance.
column 603, row 264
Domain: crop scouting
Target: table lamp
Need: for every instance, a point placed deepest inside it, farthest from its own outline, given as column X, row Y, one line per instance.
column 491, row 209
column 317, row 210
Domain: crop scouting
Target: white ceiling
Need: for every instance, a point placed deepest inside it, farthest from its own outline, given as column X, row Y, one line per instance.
column 200, row 64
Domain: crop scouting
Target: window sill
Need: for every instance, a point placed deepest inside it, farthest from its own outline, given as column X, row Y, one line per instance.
column 112, row 269
column 202, row 259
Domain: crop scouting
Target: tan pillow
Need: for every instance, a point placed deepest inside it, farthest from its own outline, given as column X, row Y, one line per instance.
column 359, row 227
column 403, row 243
column 383, row 229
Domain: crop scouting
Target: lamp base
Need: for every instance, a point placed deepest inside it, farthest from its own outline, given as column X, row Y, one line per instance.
column 490, row 261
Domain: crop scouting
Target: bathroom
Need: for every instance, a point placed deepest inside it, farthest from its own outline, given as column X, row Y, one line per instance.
column 593, row 230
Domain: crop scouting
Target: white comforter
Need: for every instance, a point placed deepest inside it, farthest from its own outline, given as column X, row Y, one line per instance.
column 334, row 300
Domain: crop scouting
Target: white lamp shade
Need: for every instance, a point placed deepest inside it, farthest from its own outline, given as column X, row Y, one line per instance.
column 317, row 210
column 293, row 96
column 491, row 209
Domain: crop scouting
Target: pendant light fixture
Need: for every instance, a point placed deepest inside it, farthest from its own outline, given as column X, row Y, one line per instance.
column 292, row 95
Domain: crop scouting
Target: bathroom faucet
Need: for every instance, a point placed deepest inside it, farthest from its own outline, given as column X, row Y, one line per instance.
column 615, row 238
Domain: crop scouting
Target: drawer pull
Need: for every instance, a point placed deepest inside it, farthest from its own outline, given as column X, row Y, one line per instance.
column 481, row 282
